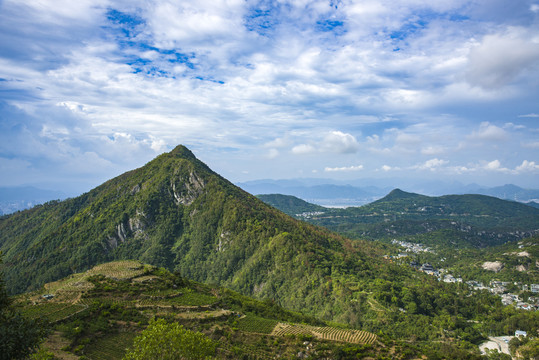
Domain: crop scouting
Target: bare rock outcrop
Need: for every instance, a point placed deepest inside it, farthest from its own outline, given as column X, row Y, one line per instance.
column 495, row 266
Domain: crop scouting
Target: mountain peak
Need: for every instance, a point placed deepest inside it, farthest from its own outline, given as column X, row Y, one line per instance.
column 398, row 194
column 182, row 152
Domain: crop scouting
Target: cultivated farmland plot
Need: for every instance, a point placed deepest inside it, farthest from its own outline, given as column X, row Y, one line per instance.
column 255, row 324
column 53, row 311
column 326, row 333
column 111, row 347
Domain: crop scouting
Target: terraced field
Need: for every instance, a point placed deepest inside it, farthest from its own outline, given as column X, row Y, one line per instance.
column 255, row 324
column 325, row 333
column 128, row 293
column 111, row 347
column 53, row 311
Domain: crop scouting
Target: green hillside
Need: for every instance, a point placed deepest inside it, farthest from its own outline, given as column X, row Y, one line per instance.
column 97, row 314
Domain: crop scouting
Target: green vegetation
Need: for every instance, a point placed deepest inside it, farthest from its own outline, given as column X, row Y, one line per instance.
column 19, row 335
column 170, row 341
column 256, row 324
column 526, row 348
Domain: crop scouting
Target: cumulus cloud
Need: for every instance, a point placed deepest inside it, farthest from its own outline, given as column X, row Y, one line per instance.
column 495, row 165
column 339, row 142
column 527, row 166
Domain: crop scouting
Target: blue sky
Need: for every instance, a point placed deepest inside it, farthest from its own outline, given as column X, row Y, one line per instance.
column 427, row 90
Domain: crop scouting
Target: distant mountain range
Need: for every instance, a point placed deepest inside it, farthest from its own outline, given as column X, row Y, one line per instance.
column 332, row 193
column 450, row 220
column 325, row 192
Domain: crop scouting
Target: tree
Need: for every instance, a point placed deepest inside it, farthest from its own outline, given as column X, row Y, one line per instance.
column 19, row 336
column 530, row 350
column 493, row 354
column 170, row 341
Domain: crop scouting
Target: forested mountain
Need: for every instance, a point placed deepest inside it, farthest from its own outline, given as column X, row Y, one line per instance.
column 452, row 220
column 173, row 212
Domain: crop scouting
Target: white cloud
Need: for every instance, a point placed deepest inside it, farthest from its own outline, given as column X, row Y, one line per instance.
column 197, row 24
column 489, row 132
column 500, row 58
column 527, row 166
column 339, row 142
column 432, row 164
column 344, row 168
column 495, row 165
column 303, row 149
column 532, row 115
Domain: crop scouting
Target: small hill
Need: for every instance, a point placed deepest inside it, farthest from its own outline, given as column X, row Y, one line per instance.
column 98, row 313
column 397, row 195
column 290, row 205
